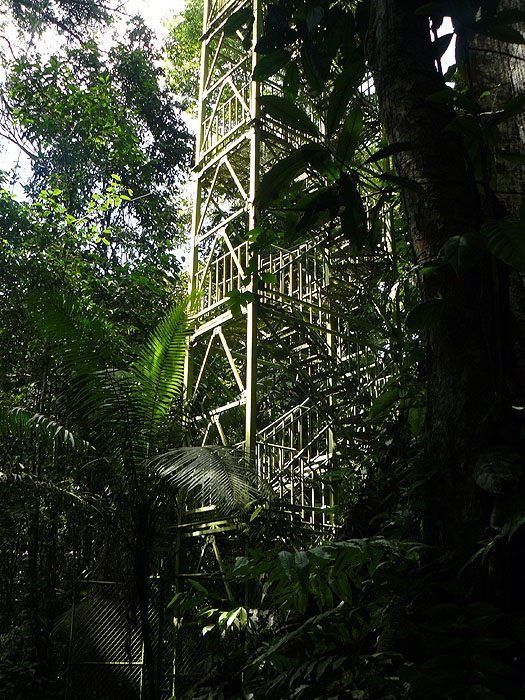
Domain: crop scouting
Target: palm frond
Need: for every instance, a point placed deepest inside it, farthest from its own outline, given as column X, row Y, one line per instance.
column 96, row 397
column 23, row 423
column 223, row 477
column 74, row 335
column 159, row 367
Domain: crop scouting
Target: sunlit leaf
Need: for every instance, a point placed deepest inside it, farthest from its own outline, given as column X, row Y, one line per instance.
column 220, row 474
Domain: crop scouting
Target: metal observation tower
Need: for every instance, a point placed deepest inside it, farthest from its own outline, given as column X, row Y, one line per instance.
column 273, row 364
column 260, row 372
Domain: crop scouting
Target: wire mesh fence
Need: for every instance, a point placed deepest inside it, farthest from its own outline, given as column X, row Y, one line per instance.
column 106, row 652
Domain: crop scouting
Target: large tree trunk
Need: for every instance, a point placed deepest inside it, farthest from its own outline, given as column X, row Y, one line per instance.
column 467, row 390
column 497, row 73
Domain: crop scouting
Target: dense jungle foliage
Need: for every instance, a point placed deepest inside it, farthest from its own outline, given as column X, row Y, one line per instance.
column 420, row 171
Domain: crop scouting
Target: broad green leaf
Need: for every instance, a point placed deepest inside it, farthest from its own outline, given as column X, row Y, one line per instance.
column 416, row 420
column 512, row 108
column 389, row 150
column 345, row 587
column 302, row 565
column 237, row 20
column 468, row 126
column 240, row 563
column 515, row 525
column 314, row 16
column 189, row 604
column 318, row 207
column 198, row 586
column 286, row 170
column 291, row 82
column 243, row 616
column 288, row 113
column 441, row 44
column 311, row 69
column 321, row 553
column 492, row 642
column 426, row 315
column 176, row 598
column 352, row 212
column 384, row 403
column 232, row 615
column 464, row 251
column 457, row 99
column 501, row 32
column 279, row 176
column 242, row 298
column 322, row 666
column 506, row 241
column 450, row 73
column 253, row 517
column 349, row 137
column 344, row 89
column 270, row 64
column 286, row 560
column 496, row 466
column 268, row 278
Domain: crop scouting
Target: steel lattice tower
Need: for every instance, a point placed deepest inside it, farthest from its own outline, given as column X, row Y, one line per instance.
column 284, row 333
